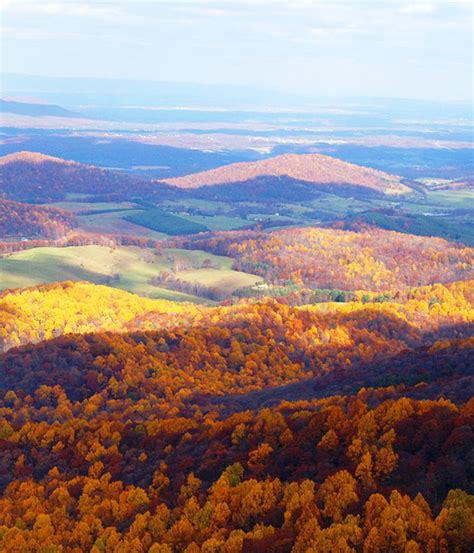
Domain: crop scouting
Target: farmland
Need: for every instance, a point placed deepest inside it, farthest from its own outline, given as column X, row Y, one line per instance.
column 126, row 268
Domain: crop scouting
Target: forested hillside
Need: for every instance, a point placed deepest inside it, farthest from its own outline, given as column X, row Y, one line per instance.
column 29, row 176
column 320, row 402
column 371, row 259
column 44, row 312
column 25, row 220
column 310, row 168
column 158, row 441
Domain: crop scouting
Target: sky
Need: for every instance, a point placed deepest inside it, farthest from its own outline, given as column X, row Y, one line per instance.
column 397, row 49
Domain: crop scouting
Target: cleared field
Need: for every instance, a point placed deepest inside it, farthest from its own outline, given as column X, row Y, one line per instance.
column 91, row 206
column 115, row 222
column 206, row 207
column 224, row 280
column 162, row 221
column 127, row 268
column 339, row 205
column 452, row 198
column 196, row 258
column 147, row 222
column 219, row 222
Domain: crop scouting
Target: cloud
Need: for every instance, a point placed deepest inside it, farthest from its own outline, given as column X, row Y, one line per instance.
column 65, row 8
column 31, row 33
column 208, row 11
column 425, row 8
column 328, row 32
column 307, row 43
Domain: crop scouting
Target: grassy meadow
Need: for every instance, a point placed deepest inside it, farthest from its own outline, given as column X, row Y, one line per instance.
column 127, row 268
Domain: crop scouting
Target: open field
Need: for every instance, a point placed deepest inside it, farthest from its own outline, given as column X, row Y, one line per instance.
column 203, row 207
column 168, row 223
column 226, row 281
column 76, row 206
column 219, row 222
column 116, row 222
column 452, row 198
column 443, row 213
column 437, row 215
column 127, row 268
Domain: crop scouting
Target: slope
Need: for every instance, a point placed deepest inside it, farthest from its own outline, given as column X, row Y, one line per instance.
column 370, row 259
column 309, row 168
column 17, row 219
column 30, row 176
column 190, row 274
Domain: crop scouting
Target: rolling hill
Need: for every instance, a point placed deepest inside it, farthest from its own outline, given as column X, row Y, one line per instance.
column 304, row 168
column 32, row 176
column 142, row 272
column 370, row 259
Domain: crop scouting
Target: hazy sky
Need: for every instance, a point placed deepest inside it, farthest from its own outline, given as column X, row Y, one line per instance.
column 400, row 48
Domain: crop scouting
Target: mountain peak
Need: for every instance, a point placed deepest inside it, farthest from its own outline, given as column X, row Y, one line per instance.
column 312, row 168
column 26, row 156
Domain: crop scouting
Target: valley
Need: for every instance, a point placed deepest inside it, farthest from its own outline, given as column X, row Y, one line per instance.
column 235, row 330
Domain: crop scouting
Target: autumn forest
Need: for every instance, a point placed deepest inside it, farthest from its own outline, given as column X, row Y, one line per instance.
column 267, row 423
column 236, row 277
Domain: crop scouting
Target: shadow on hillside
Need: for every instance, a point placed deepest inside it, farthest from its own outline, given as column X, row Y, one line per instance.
column 48, row 269
column 70, row 360
column 418, row 373
column 283, row 188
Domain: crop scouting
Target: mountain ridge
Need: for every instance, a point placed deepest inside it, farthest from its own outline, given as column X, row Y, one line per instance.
column 27, row 156
column 311, row 168
column 32, row 176
column 36, row 109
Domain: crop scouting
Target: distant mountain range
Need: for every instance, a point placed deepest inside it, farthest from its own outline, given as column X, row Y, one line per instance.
column 109, row 93
column 36, row 109
column 72, row 91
